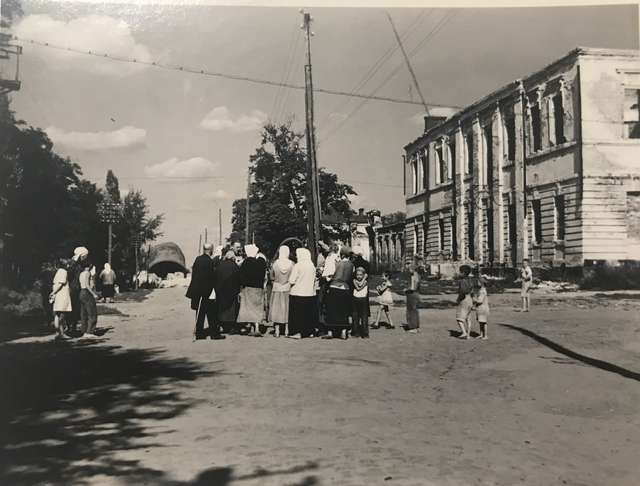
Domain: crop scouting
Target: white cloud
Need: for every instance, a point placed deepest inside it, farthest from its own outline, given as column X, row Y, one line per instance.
column 117, row 139
column 220, row 119
column 97, row 33
column 194, row 167
column 215, row 195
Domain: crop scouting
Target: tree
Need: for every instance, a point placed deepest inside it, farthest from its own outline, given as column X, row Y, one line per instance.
column 392, row 218
column 112, row 187
column 277, row 206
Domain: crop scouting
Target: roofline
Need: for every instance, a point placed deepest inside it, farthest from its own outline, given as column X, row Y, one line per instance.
column 503, row 91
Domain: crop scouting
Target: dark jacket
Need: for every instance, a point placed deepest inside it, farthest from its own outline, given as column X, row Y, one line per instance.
column 252, row 272
column 227, row 283
column 202, row 280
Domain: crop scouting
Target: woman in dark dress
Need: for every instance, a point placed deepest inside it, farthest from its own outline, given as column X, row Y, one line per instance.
column 227, row 290
column 339, row 296
column 252, row 275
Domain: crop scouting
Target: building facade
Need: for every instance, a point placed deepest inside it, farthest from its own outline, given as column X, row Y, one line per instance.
column 546, row 168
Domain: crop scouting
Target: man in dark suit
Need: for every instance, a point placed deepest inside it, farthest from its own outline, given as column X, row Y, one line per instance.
column 202, row 294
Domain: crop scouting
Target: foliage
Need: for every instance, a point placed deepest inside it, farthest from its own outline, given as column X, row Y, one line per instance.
column 278, row 202
column 392, row 218
column 112, row 187
column 9, row 11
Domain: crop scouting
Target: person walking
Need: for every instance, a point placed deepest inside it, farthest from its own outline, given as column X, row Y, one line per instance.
column 88, row 308
column 279, row 303
column 385, row 299
column 227, row 287
column 303, row 307
column 413, row 301
column 61, row 298
column 252, row 274
column 108, row 280
column 202, row 293
column 339, row 296
column 75, row 267
column 464, row 301
column 326, row 275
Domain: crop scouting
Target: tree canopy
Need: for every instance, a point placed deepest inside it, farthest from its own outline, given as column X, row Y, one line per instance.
column 277, row 205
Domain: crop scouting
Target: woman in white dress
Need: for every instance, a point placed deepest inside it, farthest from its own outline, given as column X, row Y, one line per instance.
column 61, row 298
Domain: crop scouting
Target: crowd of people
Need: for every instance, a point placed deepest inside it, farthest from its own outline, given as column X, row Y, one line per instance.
column 235, row 289
column 73, row 294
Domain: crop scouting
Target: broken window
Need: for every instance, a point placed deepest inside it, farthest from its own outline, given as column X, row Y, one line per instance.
column 469, row 144
column 559, row 219
column 536, row 127
column 558, row 119
column 536, row 223
column 510, row 129
column 452, row 159
column 441, row 230
column 632, row 113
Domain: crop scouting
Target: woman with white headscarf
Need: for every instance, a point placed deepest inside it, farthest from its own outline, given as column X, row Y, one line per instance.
column 303, row 307
column 80, row 254
column 108, row 279
column 252, row 274
column 279, row 304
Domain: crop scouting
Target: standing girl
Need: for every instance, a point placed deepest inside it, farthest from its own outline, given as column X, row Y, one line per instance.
column 526, row 277
column 481, row 305
column 61, row 298
column 360, row 317
column 385, row 300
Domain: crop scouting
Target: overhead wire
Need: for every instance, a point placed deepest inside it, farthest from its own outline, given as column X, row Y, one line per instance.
column 441, row 23
column 219, row 74
column 285, row 71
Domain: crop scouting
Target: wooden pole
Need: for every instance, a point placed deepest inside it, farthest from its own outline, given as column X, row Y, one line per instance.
column 110, row 243
column 313, row 196
column 246, row 228
column 205, row 236
column 219, row 226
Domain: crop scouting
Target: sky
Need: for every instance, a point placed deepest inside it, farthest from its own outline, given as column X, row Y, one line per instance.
column 185, row 139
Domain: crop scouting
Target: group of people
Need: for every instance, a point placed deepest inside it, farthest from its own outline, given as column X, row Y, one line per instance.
column 235, row 289
column 73, row 294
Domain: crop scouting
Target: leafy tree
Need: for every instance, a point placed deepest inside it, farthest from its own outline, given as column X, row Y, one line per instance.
column 278, row 207
column 112, row 187
column 392, row 218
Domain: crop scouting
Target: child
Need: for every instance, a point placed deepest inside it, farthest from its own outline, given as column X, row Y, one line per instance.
column 88, row 296
column 526, row 277
column 61, row 298
column 481, row 305
column 465, row 304
column 360, row 324
column 385, row 300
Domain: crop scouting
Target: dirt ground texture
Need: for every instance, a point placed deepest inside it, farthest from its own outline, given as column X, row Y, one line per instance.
column 551, row 398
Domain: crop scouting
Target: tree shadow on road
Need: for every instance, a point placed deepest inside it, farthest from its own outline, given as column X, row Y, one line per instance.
column 68, row 409
column 223, row 476
column 139, row 295
column 597, row 363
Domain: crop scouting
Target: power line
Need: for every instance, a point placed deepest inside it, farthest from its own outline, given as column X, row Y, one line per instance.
column 218, row 74
column 441, row 23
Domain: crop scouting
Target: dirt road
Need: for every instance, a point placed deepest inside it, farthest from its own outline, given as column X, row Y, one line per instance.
column 551, row 398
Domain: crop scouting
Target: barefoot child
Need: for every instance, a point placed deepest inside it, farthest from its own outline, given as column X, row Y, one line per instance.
column 465, row 304
column 360, row 317
column 385, row 300
column 481, row 305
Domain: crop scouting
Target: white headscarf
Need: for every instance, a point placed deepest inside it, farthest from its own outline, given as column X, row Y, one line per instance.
column 251, row 250
column 107, row 267
column 79, row 252
column 304, row 256
column 284, row 263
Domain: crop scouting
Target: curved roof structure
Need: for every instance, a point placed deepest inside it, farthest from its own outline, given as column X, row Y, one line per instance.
column 166, row 258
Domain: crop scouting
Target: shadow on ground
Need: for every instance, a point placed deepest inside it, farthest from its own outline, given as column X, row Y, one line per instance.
column 134, row 295
column 68, row 408
column 597, row 363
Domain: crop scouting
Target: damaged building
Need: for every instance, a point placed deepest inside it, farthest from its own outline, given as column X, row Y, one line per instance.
column 546, row 168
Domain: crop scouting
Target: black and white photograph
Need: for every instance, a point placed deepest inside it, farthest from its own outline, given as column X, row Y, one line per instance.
column 252, row 243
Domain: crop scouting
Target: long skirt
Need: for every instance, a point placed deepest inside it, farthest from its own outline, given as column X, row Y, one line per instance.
column 108, row 291
column 303, row 315
column 228, row 314
column 251, row 305
column 413, row 317
column 338, row 307
column 279, row 307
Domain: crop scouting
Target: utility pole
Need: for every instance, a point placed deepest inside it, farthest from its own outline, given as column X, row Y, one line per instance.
column 313, row 186
column 406, row 59
column 205, row 236
column 246, row 226
column 220, row 226
column 199, row 245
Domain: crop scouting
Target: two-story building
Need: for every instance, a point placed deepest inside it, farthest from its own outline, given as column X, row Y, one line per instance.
column 545, row 168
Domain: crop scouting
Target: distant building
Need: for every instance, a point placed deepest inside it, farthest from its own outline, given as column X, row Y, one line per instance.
column 546, row 168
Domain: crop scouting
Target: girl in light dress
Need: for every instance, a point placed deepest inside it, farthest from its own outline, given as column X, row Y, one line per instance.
column 481, row 305
column 60, row 297
column 385, row 299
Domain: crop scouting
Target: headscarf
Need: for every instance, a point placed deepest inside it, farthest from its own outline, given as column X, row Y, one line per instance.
column 284, row 263
column 304, row 257
column 107, row 267
column 263, row 256
column 251, row 250
column 79, row 252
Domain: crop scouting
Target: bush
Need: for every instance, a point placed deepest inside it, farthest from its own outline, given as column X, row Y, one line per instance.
column 608, row 276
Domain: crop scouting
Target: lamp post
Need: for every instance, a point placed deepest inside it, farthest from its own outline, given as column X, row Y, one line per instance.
column 109, row 213
column 137, row 241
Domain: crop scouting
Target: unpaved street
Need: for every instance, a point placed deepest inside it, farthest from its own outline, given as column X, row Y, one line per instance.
column 551, row 398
